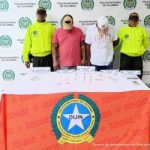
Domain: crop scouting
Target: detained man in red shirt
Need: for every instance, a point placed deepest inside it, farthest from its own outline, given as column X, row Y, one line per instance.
column 68, row 45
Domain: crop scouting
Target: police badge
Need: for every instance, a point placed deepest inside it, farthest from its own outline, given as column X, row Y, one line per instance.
column 75, row 120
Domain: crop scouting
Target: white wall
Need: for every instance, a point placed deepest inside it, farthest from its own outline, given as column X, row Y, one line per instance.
column 13, row 24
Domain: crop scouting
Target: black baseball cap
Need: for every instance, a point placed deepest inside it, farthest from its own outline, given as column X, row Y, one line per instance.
column 41, row 11
column 134, row 16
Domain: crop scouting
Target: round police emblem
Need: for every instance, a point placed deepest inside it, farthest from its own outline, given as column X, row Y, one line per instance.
column 45, row 4
column 87, row 4
column 147, row 21
column 111, row 20
column 4, row 5
column 75, row 120
column 5, row 41
column 146, row 56
column 24, row 22
column 130, row 4
column 8, row 75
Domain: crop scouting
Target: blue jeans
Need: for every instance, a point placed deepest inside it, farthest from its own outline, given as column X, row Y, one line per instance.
column 98, row 68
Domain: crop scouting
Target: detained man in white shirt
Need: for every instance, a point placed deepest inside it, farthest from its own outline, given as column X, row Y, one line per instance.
column 100, row 40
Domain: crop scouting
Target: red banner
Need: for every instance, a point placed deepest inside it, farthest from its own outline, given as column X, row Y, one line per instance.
column 89, row 121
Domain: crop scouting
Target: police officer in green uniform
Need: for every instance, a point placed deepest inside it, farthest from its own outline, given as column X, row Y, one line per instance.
column 38, row 42
column 134, row 42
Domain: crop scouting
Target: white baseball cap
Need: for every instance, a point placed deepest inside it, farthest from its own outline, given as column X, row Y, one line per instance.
column 102, row 23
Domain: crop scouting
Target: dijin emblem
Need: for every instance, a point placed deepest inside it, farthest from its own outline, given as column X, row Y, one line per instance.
column 75, row 120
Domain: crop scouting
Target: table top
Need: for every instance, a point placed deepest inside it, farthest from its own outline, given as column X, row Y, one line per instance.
column 61, row 82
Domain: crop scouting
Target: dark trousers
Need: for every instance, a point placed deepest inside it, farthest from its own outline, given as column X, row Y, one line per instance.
column 131, row 63
column 98, row 68
column 46, row 61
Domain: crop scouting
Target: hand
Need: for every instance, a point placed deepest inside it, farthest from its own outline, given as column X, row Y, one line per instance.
column 27, row 64
column 55, row 65
column 83, row 62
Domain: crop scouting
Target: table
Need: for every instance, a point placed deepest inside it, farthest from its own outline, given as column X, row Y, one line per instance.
column 89, row 111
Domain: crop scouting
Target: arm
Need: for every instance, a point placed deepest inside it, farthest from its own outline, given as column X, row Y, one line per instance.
column 88, row 41
column 53, row 31
column 83, row 53
column 146, row 40
column 120, row 36
column 26, row 48
column 55, row 46
column 115, row 38
column 88, row 54
column 116, row 42
column 54, row 55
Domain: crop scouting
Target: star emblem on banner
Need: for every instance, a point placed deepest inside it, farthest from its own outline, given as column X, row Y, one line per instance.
column 75, row 118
